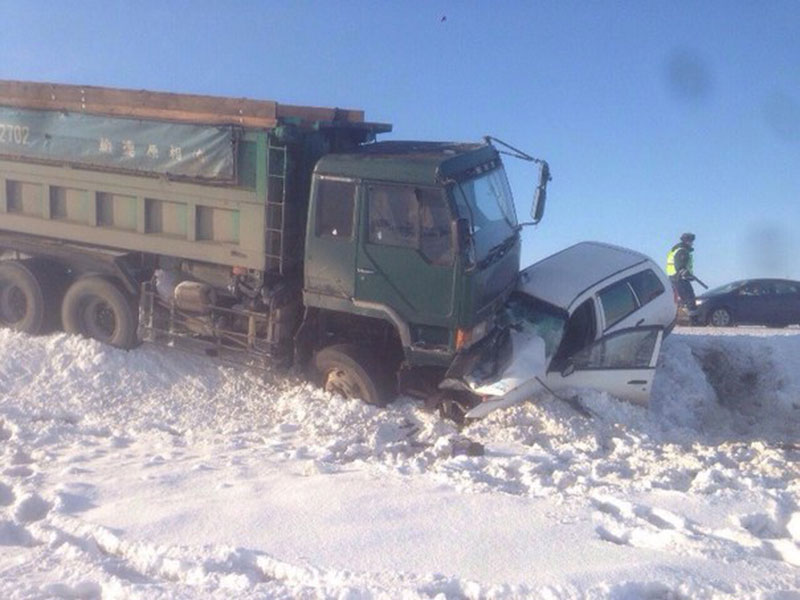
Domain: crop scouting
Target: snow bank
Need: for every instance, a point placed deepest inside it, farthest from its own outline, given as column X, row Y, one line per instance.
column 157, row 474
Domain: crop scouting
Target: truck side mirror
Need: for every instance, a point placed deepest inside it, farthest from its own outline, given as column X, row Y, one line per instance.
column 540, row 194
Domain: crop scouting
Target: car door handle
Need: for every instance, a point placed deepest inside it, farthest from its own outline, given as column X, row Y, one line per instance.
column 639, row 322
column 637, row 382
column 363, row 271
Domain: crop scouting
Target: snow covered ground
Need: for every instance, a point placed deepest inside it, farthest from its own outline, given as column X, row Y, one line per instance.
column 158, row 474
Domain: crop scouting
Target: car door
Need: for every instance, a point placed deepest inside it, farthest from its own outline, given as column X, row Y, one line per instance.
column 621, row 363
column 787, row 302
column 753, row 303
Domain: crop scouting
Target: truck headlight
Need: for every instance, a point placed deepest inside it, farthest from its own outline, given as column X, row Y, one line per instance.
column 467, row 337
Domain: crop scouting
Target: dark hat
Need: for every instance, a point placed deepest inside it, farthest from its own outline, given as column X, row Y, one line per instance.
column 687, row 237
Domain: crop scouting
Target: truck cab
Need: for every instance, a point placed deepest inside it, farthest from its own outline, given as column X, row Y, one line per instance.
column 420, row 235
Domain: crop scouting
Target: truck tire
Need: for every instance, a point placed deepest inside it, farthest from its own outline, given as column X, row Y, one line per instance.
column 350, row 371
column 96, row 308
column 22, row 301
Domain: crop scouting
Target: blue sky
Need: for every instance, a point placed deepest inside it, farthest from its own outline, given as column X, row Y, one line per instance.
column 656, row 117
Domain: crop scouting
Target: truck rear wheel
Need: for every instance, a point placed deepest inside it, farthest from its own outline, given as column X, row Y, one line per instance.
column 22, row 303
column 349, row 371
column 96, row 308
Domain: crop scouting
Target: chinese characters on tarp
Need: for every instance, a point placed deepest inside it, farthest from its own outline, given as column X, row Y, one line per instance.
column 203, row 151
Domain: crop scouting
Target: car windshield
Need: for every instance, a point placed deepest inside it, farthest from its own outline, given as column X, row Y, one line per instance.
column 543, row 319
column 488, row 204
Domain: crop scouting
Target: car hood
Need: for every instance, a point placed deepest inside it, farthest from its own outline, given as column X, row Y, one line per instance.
column 562, row 278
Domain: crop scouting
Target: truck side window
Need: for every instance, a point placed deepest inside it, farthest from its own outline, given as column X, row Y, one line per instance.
column 617, row 301
column 393, row 216
column 335, row 202
column 435, row 241
column 411, row 218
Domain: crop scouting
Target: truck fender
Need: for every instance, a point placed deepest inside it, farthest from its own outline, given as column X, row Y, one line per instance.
column 387, row 313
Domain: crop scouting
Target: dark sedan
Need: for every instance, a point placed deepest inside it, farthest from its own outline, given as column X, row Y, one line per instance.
column 772, row 302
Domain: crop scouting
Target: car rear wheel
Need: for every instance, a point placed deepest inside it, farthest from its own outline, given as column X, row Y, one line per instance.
column 720, row 317
column 349, row 371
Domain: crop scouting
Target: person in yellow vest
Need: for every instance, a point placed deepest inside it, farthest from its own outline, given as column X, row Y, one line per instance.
column 680, row 267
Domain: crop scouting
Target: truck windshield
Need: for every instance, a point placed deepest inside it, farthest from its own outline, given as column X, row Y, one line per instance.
column 487, row 202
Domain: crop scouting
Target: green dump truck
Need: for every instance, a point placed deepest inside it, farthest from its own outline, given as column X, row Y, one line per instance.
column 286, row 234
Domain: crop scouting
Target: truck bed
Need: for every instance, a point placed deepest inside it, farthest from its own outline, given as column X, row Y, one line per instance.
column 206, row 178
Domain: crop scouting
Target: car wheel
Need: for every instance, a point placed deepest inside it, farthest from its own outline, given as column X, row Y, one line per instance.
column 720, row 317
column 96, row 308
column 351, row 372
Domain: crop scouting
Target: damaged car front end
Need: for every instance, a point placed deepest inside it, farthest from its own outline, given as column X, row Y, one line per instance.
column 591, row 316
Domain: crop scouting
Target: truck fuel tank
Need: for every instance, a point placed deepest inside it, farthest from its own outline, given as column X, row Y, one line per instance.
column 194, row 296
column 191, row 296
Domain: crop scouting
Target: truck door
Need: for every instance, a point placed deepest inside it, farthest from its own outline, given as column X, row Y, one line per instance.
column 621, row 363
column 330, row 240
column 406, row 256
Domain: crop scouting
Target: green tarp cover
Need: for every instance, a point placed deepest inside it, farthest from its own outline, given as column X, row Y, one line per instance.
column 201, row 151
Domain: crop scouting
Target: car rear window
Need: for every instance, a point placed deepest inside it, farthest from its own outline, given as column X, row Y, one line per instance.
column 647, row 286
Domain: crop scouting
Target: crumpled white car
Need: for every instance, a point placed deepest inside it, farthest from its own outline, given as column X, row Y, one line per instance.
column 591, row 316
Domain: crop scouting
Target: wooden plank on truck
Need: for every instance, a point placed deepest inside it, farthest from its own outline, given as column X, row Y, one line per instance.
column 187, row 108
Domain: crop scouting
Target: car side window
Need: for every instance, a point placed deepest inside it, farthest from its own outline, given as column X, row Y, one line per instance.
column 579, row 332
column 785, row 288
column 393, row 216
column 628, row 349
column 617, row 301
column 754, row 289
column 335, row 203
column 647, row 286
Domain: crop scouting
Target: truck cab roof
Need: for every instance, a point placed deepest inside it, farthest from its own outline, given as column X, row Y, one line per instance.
column 423, row 163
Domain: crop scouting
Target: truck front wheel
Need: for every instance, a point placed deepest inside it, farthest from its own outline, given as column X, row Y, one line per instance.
column 96, row 308
column 22, row 304
column 349, row 371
